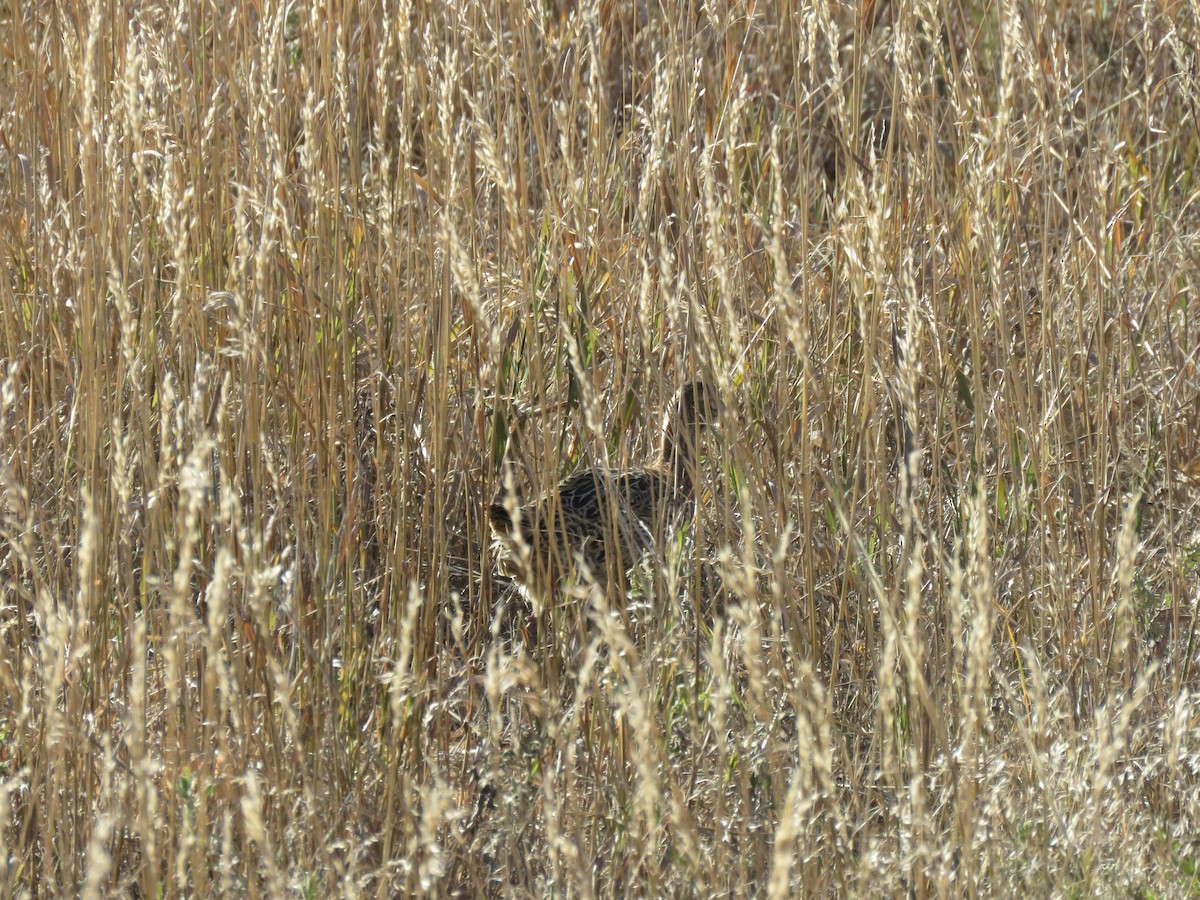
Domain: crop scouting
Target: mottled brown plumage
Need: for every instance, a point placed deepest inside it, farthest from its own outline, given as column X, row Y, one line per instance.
column 606, row 519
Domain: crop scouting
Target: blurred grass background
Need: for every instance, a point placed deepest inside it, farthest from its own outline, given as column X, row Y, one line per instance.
column 286, row 288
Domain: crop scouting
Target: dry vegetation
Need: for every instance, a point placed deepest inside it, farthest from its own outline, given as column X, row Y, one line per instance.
column 286, row 290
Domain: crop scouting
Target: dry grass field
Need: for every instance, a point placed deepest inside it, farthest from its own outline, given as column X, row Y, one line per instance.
column 289, row 292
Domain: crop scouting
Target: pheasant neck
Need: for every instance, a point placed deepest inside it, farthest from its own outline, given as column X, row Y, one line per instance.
column 678, row 458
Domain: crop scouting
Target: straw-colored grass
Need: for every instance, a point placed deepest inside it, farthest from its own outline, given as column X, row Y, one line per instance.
column 287, row 289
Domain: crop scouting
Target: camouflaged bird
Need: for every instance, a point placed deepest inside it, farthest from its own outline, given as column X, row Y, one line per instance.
column 600, row 520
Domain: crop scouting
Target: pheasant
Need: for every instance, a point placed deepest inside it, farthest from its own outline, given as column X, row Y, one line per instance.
column 600, row 518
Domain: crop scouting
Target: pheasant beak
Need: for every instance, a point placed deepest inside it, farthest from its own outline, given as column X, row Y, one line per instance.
column 716, row 413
